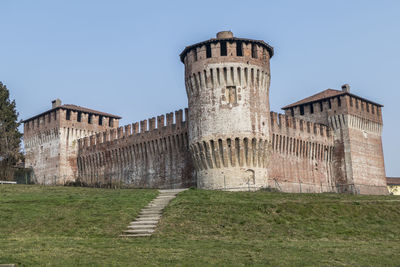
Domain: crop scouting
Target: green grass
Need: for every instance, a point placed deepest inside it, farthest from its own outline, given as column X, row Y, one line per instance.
column 66, row 226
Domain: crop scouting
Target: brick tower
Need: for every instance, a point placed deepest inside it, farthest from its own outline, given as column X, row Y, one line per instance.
column 51, row 140
column 227, row 83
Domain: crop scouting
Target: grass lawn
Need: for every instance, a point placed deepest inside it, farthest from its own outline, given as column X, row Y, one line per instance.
column 67, row 226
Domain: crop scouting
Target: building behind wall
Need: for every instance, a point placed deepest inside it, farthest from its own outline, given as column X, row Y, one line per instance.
column 227, row 138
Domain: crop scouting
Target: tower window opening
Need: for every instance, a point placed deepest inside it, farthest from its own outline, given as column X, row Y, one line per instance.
column 329, row 104
column 68, row 115
column 90, row 118
column 264, row 54
column 111, row 122
column 339, row 101
column 223, row 49
column 254, row 51
column 351, row 101
column 301, row 110
column 311, row 108
column 79, row 118
column 321, row 106
column 100, row 120
column 231, row 95
column 292, row 112
column 239, row 49
column 195, row 54
column 208, row 51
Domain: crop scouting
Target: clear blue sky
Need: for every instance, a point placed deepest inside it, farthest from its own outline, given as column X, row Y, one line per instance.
column 122, row 57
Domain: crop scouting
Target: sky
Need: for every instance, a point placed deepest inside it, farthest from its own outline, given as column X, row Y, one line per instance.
column 122, row 57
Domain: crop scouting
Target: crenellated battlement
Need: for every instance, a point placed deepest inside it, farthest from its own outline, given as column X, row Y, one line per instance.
column 298, row 127
column 152, row 128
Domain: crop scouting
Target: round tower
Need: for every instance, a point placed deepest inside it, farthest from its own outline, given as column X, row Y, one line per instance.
column 227, row 83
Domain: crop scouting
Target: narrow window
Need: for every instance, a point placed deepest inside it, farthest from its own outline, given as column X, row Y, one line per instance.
column 90, row 118
column 311, row 108
column 373, row 109
column 351, row 101
column 329, row 104
column 292, row 112
column 264, row 54
column 231, row 95
column 110, row 122
column 253, row 50
column 223, row 48
column 239, row 49
column 208, row 50
column 55, row 115
column 195, row 54
column 321, row 106
column 68, row 116
column 79, row 116
column 367, row 107
column 339, row 101
column 49, row 118
column 100, row 120
column 301, row 110
column 356, row 103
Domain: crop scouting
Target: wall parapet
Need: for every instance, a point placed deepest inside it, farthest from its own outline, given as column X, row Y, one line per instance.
column 295, row 126
column 152, row 128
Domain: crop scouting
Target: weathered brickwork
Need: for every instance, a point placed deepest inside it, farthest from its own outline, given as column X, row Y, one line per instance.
column 229, row 139
column 154, row 156
column 51, row 138
column 301, row 155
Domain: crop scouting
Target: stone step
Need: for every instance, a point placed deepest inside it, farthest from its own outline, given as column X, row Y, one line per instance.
column 148, row 219
column 135, row 235
column 147, row 212
column 142, row 227
column 141, row 231
column 144, row 222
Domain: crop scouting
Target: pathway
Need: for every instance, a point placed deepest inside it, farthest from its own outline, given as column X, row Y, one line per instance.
column 146, row 222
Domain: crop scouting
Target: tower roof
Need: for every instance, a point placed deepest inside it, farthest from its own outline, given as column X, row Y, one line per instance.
column 326, row 94
column 226, row 36
column 74, row 108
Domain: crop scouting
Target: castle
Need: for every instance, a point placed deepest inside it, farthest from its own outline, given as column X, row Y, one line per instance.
column 227, row 138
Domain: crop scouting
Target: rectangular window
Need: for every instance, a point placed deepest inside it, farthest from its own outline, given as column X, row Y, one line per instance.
column 321, row 106
column 239, row 49
column 195, row 54
column 312, row 108
column 231, row 95
column 224, row 51
column 253, row 50
column 301, row 110
column 100, row 120
column 68, row 115
column 79, row 118
column 90, row 118
column 208, row 50
column 110, row 122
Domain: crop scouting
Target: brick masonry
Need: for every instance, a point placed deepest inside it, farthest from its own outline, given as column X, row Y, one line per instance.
column 228, row 138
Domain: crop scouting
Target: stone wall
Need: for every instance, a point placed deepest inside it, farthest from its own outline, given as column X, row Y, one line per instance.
column 300, row 156
column 154, row 155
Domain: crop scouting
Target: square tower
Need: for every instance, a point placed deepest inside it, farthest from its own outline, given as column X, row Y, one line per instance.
column 50, row 140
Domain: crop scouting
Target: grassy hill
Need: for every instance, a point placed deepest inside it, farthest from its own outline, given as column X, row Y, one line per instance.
column 66, row 226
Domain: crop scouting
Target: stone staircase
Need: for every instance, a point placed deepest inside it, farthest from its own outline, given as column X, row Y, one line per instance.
column 146, row 222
